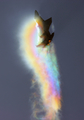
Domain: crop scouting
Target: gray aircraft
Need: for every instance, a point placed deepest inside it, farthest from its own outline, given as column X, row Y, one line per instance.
column 47, row 37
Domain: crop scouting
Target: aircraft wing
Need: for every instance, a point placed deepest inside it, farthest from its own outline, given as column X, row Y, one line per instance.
column 48, row 23
column 38, row 17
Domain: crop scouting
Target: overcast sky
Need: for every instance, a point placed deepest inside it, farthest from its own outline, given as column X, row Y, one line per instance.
column 15, row 78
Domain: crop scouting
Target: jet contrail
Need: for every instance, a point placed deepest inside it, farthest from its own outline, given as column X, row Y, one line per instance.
column 43, row 64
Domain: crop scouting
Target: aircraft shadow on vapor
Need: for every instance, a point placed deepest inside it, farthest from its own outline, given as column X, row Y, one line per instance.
column 47, row 37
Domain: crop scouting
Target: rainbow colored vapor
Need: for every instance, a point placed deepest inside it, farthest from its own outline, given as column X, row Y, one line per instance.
column 43, row 64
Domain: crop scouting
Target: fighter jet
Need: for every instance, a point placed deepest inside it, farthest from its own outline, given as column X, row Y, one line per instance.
column 45, row 23
column 47, row 38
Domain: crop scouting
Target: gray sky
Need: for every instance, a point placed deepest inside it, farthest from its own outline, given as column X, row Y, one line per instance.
column 15, row 79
